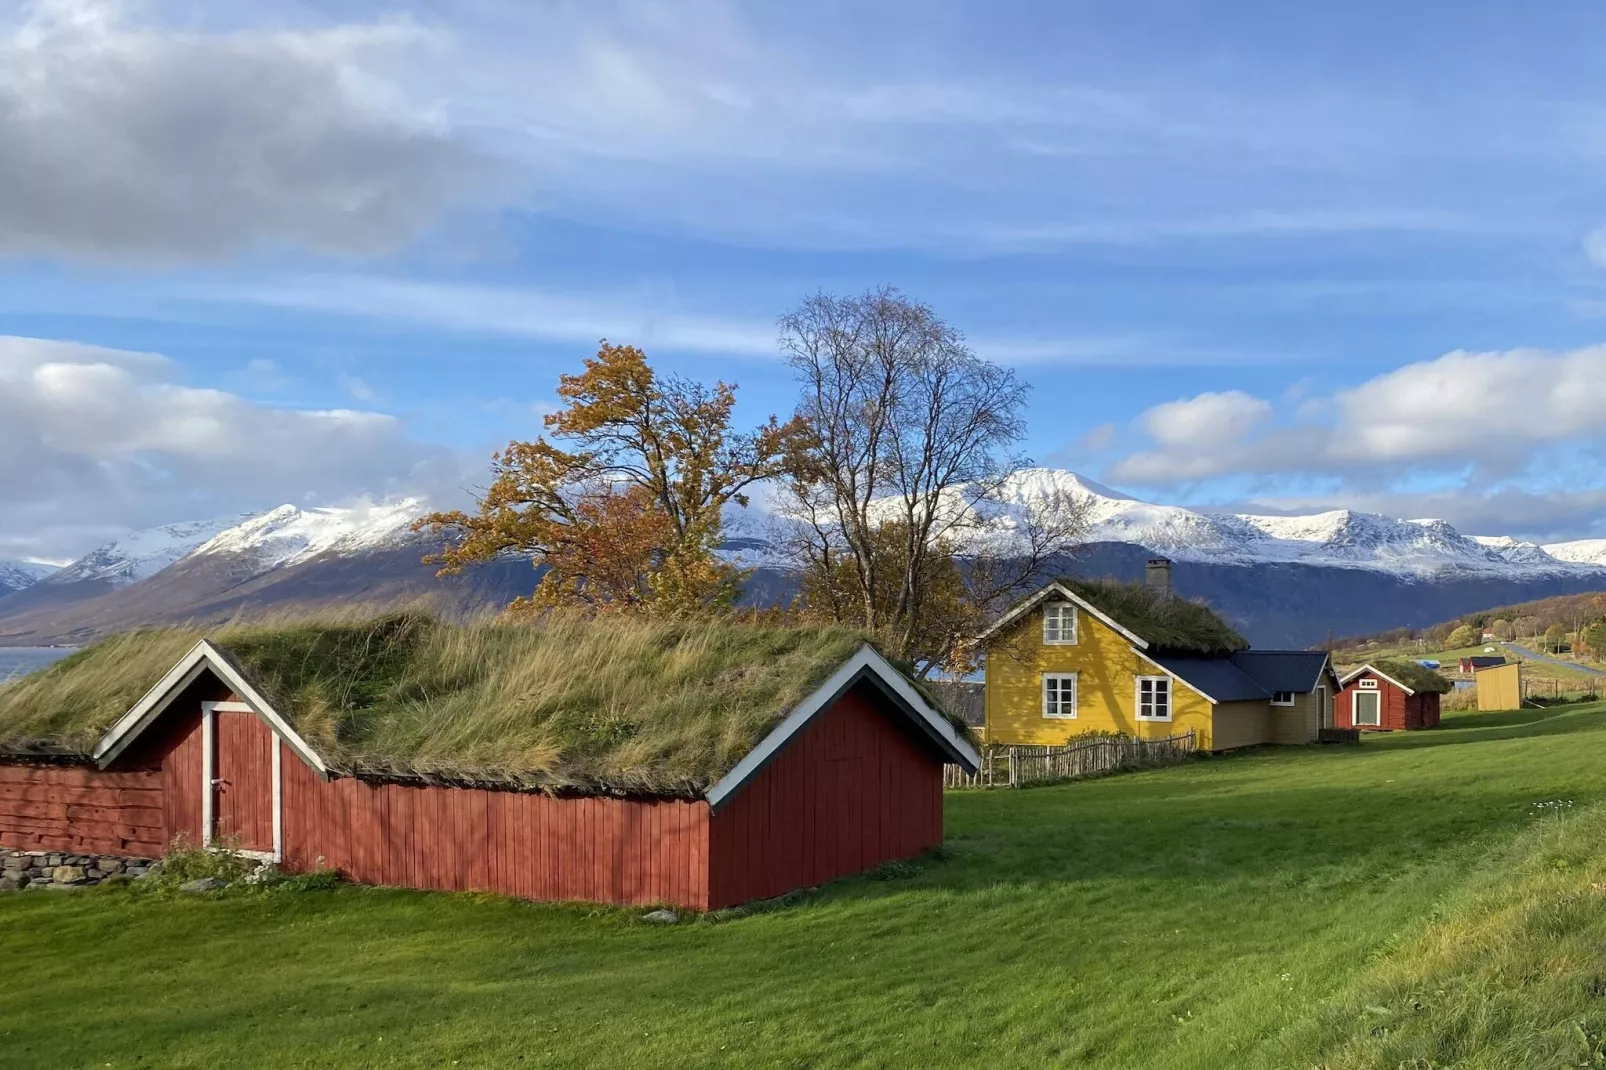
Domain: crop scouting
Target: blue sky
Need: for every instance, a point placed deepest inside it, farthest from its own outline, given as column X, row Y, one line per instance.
column 1270, row 256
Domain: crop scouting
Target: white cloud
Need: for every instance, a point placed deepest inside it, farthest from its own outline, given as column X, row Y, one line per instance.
column 643, row 318
column 1493, row 410
column 95, row 440
column 126, row 142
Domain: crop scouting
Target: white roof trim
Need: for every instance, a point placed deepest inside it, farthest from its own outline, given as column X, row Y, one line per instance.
column 1031, row 601
column 202, row 656
column 1175, row 677
column 866, row 661
column 1375, row 671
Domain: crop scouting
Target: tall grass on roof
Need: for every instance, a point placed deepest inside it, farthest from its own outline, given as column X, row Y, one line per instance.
column 1168, row 623
column 618, row 703
column 1416, row 677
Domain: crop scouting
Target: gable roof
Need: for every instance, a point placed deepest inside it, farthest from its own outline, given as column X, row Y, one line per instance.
column 1299, row 671
column 615, row 705
column 1217, row 679
column 1406, row 675
column 1150, row 620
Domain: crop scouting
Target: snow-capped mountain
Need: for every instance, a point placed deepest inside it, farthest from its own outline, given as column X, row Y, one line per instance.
column 1342, row 538
column 288, row 535
column 140, row 554
column 15, row 575
column 1581, row 552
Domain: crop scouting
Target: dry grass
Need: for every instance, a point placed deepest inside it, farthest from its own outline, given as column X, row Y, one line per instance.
column 619, row 703
column 1168, row 623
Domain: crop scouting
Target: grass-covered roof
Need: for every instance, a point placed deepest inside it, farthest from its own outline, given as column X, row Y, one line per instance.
column 1166, row 622
column 1416, row 677
column 616, row 703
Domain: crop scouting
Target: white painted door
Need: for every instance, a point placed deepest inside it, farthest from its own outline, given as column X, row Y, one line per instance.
column 1368, row 709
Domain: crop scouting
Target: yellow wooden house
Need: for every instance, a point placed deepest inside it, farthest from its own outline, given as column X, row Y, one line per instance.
column 1079, row 657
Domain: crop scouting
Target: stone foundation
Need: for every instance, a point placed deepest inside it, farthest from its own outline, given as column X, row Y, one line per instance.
column 35, row 870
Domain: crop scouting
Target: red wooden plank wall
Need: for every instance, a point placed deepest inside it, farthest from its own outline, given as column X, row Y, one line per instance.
column 181, row 777
column 851, row 791
column 536, row 846
column 81, row 811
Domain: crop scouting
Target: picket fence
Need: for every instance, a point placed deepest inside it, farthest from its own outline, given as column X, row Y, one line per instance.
column 1008, row 766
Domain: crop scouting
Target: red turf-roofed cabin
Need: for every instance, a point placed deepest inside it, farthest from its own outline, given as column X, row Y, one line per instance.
column 1388, row 698
column 848, row 778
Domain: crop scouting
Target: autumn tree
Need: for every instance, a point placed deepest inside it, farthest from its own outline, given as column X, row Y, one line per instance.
column 904, row 527
column 1593, row 637
column 622, row 508
column 1525, row 627
column 1502, row 630
column 1555, row 638
column 1463, row 636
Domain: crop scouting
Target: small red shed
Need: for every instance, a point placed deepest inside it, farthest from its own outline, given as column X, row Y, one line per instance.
column 843, row 780
column 1389, row 696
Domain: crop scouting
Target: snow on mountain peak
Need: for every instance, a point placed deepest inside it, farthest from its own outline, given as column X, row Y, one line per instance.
column 289, row 534
column 16, row 574
column 139, row 554
column 1579, row 552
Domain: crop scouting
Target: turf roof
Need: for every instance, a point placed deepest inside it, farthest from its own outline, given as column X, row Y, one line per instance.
column 614, row 704
column 1414, row 676
column 1167, row 623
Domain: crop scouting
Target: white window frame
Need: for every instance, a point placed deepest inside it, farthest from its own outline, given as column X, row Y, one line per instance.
column 1076, row 695
column 1063, row 612
column 1368, row 683
column 1292, row 698
column 209, row 781
column 1137, row 697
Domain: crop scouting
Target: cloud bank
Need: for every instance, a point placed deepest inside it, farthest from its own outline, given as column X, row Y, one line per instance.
column 123, row 143
column 94, row 441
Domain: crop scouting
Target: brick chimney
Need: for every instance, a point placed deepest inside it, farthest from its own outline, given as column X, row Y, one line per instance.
column 1157, row 576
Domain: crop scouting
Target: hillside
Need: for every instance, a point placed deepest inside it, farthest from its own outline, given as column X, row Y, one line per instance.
column 1409, row 901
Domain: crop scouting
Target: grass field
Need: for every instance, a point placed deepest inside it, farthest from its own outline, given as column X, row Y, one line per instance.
column 1405, row 902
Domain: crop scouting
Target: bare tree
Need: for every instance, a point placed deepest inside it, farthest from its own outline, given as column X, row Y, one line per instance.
column 912, row 443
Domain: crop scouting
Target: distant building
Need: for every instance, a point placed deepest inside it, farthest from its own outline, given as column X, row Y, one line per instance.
column 1473, row 664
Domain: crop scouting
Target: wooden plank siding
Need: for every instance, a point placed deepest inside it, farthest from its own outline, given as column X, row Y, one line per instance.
column 1397, row 709
column 82, row 811
column 851, row 791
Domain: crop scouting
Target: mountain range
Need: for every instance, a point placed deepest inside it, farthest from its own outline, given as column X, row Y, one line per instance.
column 1282, row 580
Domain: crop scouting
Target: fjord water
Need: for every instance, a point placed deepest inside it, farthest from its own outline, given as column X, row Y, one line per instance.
column 21, row 660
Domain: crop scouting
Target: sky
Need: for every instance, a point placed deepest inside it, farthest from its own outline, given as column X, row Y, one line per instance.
column 1257, row 256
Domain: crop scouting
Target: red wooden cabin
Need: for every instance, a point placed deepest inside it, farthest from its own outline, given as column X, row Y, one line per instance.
column 1382, row 699
column 851, row 778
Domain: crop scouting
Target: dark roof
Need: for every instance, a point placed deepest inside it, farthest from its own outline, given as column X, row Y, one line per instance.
column 1484, row 661
column 1218, row 678
column 1299, row 671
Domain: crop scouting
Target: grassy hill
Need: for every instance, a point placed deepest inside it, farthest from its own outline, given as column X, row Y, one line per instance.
column 1435, row 899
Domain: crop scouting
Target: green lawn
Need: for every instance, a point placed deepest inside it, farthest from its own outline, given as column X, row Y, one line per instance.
column 1335, row 907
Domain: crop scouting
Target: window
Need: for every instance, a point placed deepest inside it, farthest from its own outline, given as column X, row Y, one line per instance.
column 1059, row 694
column 1154, row 698
column 1368, row 683
column 1282, row 698
column 1059, row 623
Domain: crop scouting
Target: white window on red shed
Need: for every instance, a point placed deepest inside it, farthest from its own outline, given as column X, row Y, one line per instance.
column 1368, row 683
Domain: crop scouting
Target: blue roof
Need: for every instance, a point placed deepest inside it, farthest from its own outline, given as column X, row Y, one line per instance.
column 1248, row 675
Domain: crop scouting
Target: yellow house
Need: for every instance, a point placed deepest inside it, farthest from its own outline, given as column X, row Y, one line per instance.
column 1078, row 657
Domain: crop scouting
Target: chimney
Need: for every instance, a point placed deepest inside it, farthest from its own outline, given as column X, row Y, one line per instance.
column 1157, row 576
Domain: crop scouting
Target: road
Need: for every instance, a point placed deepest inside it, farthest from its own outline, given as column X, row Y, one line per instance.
column 1525, row 652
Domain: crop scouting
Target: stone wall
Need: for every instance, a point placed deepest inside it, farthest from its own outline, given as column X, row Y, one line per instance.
column 40, row 870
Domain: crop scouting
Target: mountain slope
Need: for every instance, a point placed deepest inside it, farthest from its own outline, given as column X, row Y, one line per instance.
column 1281, row 580
column 15, row 575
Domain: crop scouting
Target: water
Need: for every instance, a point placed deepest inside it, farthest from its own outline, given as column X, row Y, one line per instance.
column 21, row 660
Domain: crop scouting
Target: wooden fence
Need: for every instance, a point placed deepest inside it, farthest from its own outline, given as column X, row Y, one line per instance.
column 1006, row 766
column 1552, row 688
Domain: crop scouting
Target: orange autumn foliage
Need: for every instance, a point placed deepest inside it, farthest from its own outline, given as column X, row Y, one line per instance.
column 628, row 517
